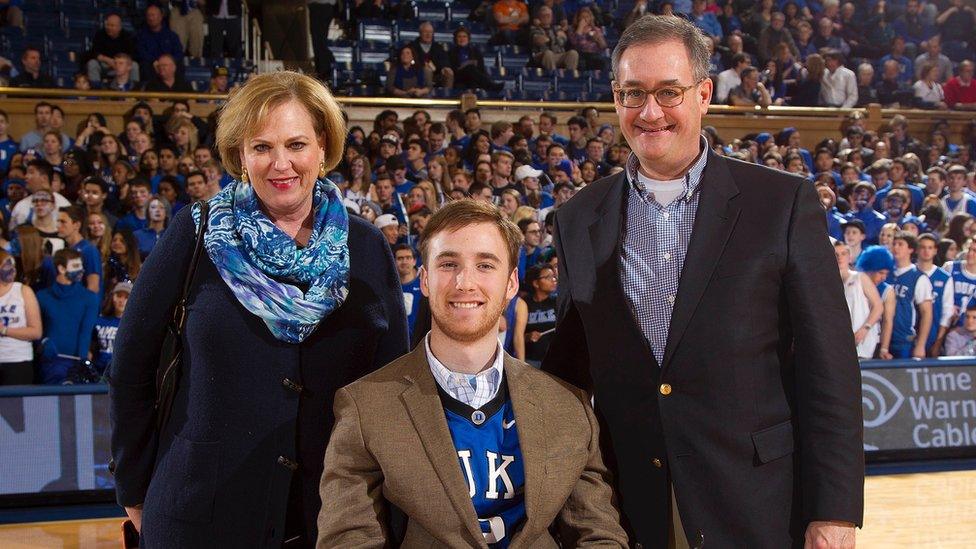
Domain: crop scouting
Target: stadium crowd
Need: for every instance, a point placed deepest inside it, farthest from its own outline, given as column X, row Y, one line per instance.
column 83, row 207
column 903, row 53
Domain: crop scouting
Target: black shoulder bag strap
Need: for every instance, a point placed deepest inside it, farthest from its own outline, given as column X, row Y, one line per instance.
column 170, row 358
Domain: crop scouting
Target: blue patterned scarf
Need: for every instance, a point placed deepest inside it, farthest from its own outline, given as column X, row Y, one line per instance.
column 248, row 250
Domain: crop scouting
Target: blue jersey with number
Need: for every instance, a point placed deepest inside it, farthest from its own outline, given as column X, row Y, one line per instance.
column 964, row 287
column 490, row 458
column 105, row 329
column 939, row 278
column 906, row 315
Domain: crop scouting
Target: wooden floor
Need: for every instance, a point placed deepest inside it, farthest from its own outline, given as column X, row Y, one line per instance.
column 936, row 510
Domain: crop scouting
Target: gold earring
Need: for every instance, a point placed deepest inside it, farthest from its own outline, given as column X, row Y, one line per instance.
column 322, row 173
column 244, row 175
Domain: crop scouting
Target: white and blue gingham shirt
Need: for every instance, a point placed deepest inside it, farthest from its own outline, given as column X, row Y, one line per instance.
column 473, row 390
column 654, row 246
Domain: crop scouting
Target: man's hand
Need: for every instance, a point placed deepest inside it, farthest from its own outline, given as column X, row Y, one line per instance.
column 135, row 515
column 860, row 334
column 829, row 534
column 534, row 336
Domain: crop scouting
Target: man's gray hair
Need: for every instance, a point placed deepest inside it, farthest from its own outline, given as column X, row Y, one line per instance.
column 656, row 29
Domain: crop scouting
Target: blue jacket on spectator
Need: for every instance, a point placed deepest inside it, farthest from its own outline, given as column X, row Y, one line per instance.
column 150, row 45
column 68, row 313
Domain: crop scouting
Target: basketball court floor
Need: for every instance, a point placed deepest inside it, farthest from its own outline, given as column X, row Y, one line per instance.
column 936, row 510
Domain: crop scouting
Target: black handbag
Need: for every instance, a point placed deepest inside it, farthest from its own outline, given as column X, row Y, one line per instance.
column 171, row 355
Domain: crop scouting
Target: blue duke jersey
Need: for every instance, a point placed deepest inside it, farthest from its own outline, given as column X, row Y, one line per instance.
column 906, row 313
column 490, row 458
column 964, row 288
column 941, row 291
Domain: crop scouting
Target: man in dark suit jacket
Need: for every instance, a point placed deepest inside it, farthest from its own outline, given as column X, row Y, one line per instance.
column 699, row 306
column 433, row 55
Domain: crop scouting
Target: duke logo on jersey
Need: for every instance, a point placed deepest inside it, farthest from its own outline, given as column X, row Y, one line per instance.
column 490, row 459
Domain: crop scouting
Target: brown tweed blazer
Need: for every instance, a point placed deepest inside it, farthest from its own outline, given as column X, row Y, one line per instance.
column 391, row 445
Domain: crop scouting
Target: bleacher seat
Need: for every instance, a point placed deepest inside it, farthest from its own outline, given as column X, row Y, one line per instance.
column 343, row 51
column 376, row 30
column 432, row 11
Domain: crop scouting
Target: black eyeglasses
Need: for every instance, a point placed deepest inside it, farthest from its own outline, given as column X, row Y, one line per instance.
column 666, row 96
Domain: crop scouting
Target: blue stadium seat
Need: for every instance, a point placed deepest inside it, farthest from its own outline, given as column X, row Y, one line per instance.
column 370, row 53
column 376, row 30
column 197, row 73
column 572, row 86
column 431, row 11
column 512, row 61
column 407, row 31
column 343, row 51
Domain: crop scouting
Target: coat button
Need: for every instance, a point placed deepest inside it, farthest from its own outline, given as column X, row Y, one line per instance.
column 287, row 463
column 665, row 389
column 657, row 463
column 289, row 384
column 638, row 545
column 700, row 541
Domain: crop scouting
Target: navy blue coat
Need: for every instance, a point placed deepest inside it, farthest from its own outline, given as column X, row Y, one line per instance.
column 250, row 409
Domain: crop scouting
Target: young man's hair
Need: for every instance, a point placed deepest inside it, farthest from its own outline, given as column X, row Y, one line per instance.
column 420, row 143
column 523, row 224
column 385, row 176
column 578, row 121
column 908, row 238
column 394, row 163
column 549, row 116
column 95, row 180
column 462, row 213
column 475, row 110
column 140, row 182
column 64, row 255
column 939, row 170
column 535, row 272
column 401, row 247
column 74, row 213
column 475, row 189
column 40, row 104
column 500, row 153
column 971, row 308
column 438, row 128
column 930, row 237
column 196, row 173
column 43, row 166
column 498, row 128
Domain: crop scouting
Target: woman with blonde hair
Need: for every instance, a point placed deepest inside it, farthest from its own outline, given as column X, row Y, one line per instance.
column 21, row 316
column 886, row 237
column 292, row 299
column 359, row 179
column 439, row 174
column 431, row 197
column 184, row 135
column 99, row 233
column 31, row 256
column 525, row 212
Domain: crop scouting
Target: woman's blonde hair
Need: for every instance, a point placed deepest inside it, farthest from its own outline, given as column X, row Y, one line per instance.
column 430, row 195
column 248, row 107
column 104, row 243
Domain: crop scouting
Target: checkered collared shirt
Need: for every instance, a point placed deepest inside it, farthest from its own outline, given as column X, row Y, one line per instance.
column 654, row 246
column 473, row 390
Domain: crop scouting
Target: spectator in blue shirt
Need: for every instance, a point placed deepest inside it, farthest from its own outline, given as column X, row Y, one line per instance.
column 68, row 313
column 157, row 216
column 155, row 39
column 912, row 25
column 706, row 21
column 8, row 147
column 107, row 326
column 140, row 191
column 70, row 221
column 862, row 208
column 907, row 68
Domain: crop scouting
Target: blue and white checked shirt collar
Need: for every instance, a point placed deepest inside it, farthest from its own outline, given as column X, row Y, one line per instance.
column 473, row 390
column 692, row 179
column 655, row 242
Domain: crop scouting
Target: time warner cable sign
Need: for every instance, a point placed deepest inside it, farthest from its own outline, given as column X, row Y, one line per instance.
column 921, row 405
